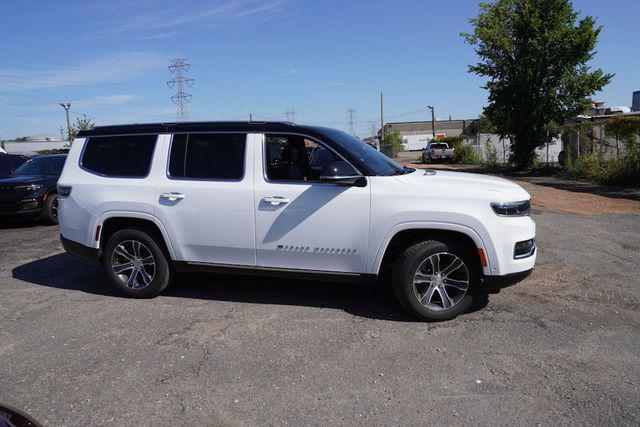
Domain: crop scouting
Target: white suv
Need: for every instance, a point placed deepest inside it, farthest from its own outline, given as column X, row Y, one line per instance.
column 277, row 198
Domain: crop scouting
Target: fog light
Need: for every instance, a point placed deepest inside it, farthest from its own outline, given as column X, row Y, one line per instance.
column 524, row 249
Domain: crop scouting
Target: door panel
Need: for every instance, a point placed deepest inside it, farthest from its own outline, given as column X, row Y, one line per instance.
column 309, row 225
column 210, row 220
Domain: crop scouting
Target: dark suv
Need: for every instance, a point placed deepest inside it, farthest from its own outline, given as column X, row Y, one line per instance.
column 9, row 163
column 30, row 191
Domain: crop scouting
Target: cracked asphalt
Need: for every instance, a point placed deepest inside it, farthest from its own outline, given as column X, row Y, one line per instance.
column 563, row 347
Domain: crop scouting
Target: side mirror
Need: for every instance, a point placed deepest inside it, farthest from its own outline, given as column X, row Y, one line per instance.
column 342, row 173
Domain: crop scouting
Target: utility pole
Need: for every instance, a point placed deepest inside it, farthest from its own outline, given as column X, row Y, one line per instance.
column 547, row 147
column 179, row 66
column 351, row 120
column 61, row 133
column 250, row 117
column 67, row 107
column 433, row 120
column 290, row 115
column 381, row 119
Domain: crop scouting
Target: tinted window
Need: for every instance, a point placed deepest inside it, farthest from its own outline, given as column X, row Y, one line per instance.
column 47, row 165
column 207, row 156
column 5, row 166
column 120, row 156
column 296, row 158
column 367, row 158
column 439, row 146
column 16, row 160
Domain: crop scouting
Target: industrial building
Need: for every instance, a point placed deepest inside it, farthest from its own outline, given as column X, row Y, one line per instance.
column 416, row 135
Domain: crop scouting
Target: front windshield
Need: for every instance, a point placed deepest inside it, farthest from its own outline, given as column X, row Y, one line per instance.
column 374, row 161
column 41, row 166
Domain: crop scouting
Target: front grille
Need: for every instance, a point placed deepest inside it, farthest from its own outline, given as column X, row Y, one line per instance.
column 8, row 207
column 7, row 189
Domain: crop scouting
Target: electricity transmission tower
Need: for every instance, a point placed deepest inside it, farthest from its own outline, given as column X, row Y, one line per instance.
column 290, row 115
column 373, row 126
column 179, row 66
column 351, row 120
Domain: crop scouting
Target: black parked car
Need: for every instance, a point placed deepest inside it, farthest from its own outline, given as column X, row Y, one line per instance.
column 9, row 163
column 30, row 191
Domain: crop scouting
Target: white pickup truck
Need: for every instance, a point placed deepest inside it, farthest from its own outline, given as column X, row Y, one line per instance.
column 150, row 200
column 438, row 151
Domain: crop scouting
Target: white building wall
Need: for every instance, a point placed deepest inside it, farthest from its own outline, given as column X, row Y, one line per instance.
column 29, row 148
column 502, row 148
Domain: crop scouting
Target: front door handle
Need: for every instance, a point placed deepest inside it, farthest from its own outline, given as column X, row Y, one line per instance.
column 275, row 200
column 172, row 196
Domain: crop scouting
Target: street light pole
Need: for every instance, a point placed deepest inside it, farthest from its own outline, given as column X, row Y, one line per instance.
column 67, row 107
column 433, row 120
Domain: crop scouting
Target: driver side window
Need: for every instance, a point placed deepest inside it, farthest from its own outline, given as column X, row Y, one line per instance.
column 295, row 158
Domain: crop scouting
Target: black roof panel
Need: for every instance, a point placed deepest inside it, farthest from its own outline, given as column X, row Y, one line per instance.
column 172, row 127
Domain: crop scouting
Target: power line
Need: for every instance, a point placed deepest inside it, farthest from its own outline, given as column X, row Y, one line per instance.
column 181, row 98
column 351, row 120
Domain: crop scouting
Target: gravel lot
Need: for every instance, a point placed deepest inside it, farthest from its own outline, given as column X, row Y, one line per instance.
column 561, row 347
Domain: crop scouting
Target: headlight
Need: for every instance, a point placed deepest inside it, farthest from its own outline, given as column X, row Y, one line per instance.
column 30, row 187
column 512, row 208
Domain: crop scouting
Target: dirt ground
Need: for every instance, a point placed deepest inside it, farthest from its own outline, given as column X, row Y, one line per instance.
column 562, row 347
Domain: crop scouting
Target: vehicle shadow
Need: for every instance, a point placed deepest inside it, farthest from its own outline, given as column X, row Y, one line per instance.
column 373, row 301
column 7, row 224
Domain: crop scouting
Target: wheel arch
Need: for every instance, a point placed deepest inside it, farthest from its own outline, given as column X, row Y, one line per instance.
column 404, row 235
column 112, row 222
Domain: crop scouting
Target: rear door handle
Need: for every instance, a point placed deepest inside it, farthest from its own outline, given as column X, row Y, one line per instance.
column 275, row 200
column 172, row 196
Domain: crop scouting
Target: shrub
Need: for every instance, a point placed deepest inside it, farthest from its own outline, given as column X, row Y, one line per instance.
column 623, row 171
column 491, row 154
column 466, row 154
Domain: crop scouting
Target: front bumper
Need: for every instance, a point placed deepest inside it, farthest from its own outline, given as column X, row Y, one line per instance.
column 29, row 206
column 499, row 282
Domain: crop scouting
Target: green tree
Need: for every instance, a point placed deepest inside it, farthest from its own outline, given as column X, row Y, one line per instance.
column 534, row 54
column 82, row 123
column 485, row 125
column 625, row 129
column 392, row 142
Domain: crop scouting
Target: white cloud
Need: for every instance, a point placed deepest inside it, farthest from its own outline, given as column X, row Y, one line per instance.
column 326, row 84
column 121, row 66
column 103, row 101
column 288, row 73
column 158, row 18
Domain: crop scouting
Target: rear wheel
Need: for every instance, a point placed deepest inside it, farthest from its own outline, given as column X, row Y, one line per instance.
column 435, row 279
column 135, row 264
column 50, row 214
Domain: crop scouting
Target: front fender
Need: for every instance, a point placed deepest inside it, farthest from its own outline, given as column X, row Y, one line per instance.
column 485, row 244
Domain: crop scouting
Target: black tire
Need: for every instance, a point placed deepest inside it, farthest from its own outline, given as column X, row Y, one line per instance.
column 138, row 288
column 415, row 256
column 50, row 214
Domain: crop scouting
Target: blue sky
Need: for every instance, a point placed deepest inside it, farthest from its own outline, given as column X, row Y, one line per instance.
column 109, row 59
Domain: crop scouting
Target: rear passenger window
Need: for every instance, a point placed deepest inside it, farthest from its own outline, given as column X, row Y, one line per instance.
column 119, row 156
column 207, row 156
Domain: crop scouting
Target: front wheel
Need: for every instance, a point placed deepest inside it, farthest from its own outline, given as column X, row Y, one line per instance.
column 135, row 264
column 50, row 214
column 435, row 280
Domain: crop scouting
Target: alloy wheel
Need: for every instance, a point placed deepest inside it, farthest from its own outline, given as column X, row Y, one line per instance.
column 133, row 264
column 441, row 281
